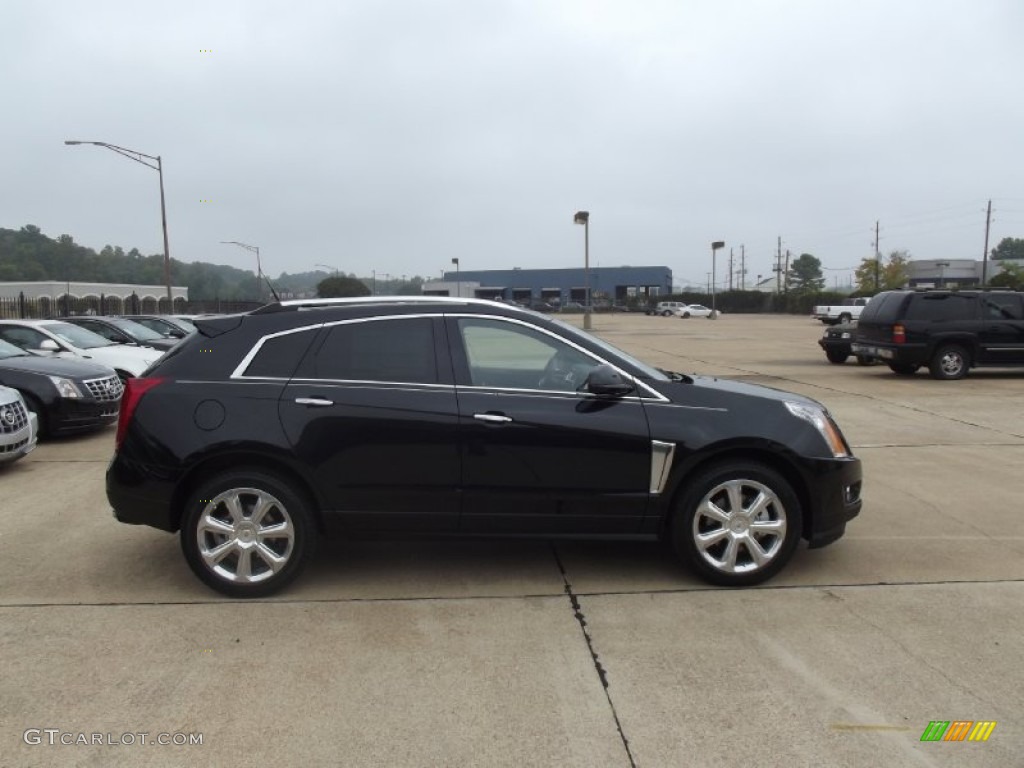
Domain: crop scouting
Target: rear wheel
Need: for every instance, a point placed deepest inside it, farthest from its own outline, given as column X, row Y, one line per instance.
column 737, row 524
column 666, row 313
column 865, row 360
column 949, row 362
column 685, row 315
column 836, row 357
column 247, row 533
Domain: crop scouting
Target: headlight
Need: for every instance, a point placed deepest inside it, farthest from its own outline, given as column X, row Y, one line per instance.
column 65, row 387
column 826, row 428
column 846, row 335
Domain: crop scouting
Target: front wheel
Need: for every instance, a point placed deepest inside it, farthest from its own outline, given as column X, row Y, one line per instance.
column 737, row 524
column 903, row 369
column 844, row 318
column 838, row 358
column 685, row 315
column 247, row 533
column 949, row 362
column 666, row 313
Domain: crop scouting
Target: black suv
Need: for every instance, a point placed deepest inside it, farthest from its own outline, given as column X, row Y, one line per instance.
column 439, row 416
column 947, row 331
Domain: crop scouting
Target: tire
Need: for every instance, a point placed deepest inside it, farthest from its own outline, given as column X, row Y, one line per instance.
column 838, row 358
column 903, row 369
column 666, row 313
column 717, row 543
column 865, row 360
column 844, row 318
column 686, row 315
column 255, row 564
column 950, row 362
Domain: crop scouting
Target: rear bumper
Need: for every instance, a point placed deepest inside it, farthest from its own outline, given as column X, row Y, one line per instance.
column 909, row 354
column 141, row 495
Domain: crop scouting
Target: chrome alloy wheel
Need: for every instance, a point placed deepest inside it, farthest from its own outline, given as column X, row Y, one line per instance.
column 952, row 363
column 245, row 535
column 739, row 526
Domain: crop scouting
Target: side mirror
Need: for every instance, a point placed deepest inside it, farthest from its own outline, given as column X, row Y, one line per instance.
column 605, row 381
column 49, row 345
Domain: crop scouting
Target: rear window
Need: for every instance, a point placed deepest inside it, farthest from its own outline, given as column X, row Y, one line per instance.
column 882, row 308
column 941, row 307
column 279, row 356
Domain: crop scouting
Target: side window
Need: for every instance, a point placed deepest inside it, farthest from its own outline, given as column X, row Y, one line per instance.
column 388, row 350
column 933, row 308
column 103, row 330
column 278, row 357
column 1003, row 306
column 26, row 338
column 511, row 356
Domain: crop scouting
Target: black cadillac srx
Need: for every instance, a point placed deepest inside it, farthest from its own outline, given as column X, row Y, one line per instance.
column 447, row 417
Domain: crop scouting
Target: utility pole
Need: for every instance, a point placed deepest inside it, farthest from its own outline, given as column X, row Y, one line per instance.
column 878, row 262
column 984, row 255
column 787, row 271
column 778, row 267
column 743, row 268
column 730, row 268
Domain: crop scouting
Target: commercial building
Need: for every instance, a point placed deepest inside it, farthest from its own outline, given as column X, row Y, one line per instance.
column 556, row 286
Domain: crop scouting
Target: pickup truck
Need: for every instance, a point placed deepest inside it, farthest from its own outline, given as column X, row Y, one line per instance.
column 850, row 309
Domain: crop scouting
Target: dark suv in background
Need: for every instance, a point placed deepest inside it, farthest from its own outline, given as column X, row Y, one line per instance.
column 950, row 332
column 263, row 431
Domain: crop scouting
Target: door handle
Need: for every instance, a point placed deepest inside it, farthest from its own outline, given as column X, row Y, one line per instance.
column 314, row 401
column 492, row 418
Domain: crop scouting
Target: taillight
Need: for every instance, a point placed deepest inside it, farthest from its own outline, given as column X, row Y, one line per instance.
column 899, row 334
column 134, row 389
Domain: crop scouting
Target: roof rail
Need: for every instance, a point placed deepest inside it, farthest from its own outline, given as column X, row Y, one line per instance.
column 294, row 304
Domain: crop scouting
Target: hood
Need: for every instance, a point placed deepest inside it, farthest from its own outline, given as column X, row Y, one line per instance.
column 71, row 368
column 134, row 360
column 711, row 392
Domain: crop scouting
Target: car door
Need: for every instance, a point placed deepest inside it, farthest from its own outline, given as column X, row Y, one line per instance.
column 1001, row 331
column 372, row 414
column 538, row 455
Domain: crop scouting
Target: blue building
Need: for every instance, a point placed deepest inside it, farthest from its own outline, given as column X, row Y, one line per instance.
column 557, row 286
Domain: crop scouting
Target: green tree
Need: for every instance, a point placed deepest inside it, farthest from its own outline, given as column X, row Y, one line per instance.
column 1009, row 248
column 804, row 274
column 338, row 287
column 1012, row 276
column 874, row 275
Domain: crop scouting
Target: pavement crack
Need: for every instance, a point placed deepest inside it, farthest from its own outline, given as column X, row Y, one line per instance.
column 601, row 672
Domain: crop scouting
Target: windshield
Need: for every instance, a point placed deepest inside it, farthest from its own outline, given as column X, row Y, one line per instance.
column 77, row 337
column 647, row 371
column 137, row 331
column 184, row 323
column 9, row 350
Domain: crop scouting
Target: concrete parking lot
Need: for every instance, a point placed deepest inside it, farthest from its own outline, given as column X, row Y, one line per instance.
column 550, row 653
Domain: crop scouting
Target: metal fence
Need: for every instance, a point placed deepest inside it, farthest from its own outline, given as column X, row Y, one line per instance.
column 19, row 307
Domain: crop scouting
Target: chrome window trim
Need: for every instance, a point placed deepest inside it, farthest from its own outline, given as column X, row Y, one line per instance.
column 654, row 394
column 662, row 454
column 691, row 407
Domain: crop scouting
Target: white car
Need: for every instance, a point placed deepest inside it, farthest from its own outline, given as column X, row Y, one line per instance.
column 53, row 338
column 694, row 310
column 19, row 427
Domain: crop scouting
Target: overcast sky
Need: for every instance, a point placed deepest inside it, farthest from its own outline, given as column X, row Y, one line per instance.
column 395, row 135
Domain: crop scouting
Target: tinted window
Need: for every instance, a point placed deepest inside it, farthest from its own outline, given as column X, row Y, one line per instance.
column 883, row 307
column 930, row 308
column 1003, row 306
column 399, row 350
column 25, row 338
column 279, row 356
column 512, row 356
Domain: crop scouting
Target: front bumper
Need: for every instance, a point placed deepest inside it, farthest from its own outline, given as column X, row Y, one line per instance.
column 15, row 445
column 72, row 415
column 835, row 499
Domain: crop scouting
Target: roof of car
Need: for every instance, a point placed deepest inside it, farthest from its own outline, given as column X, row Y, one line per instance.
column 369, row 301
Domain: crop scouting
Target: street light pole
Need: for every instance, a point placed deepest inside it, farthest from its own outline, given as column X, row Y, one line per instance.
column 259, row 268
column 458, row 277
column 131, row 154
column 583, row 217
column 714, row 249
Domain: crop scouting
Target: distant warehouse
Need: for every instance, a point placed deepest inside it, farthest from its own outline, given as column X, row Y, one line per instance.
column 555, row 286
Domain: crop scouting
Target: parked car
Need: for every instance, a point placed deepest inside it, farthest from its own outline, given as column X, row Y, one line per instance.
column 121, row 330
column 166, row 325
column 831, row 314
column 17, row 427
column 461, row 417
column 694, row 310
column 55, row 338
column 837, row 341
column 67, row 395
column 950, row 332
